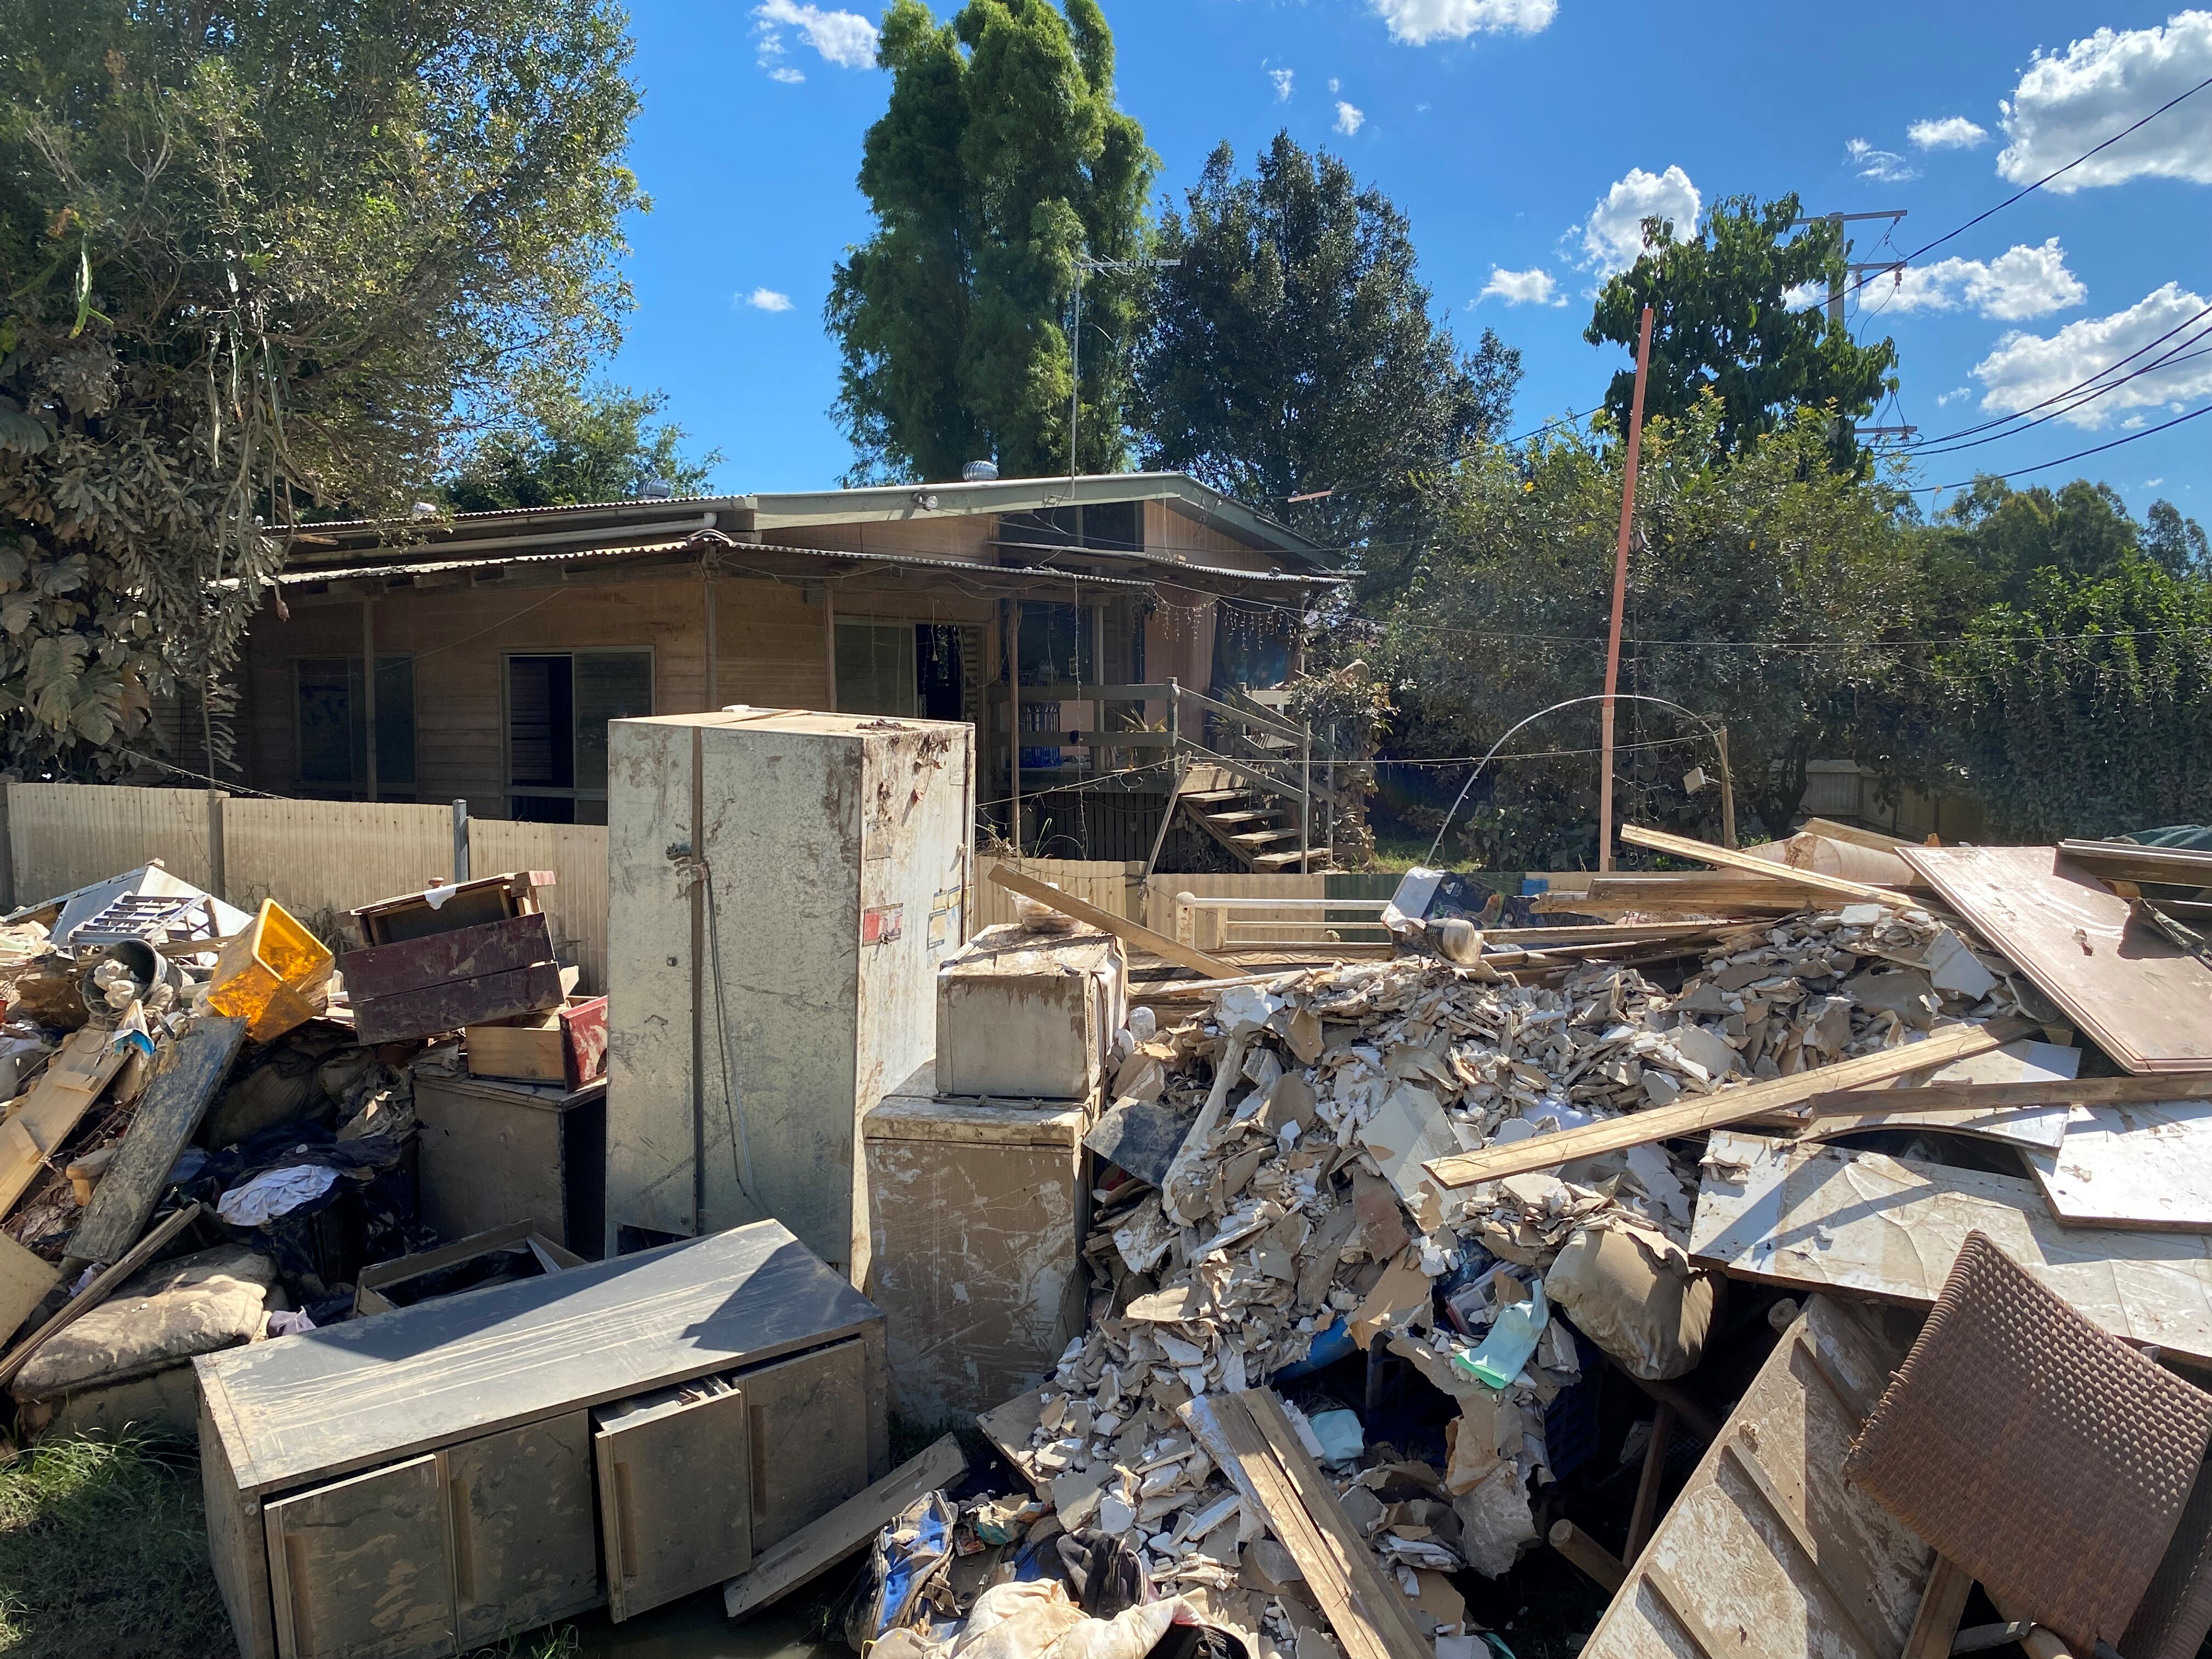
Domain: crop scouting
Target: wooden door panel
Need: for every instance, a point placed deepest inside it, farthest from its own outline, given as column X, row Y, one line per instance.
column 675, row 1472
column 808, row 1419
column 359, row 1568
column 525, row 1549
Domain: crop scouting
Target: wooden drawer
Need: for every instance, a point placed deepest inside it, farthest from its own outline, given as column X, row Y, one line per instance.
column 440, row 1553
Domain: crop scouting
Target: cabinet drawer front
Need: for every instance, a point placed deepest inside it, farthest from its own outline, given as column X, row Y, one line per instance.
column 675, row 1470
column 809, row 1425
column 359, row 1568
column 525, row 1552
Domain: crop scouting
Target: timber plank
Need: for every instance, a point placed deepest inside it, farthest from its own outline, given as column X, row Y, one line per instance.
column 491, row 947
column 1122, row 927
column 1658, row 841
column 42, row 1120
column 1714, row 1111
column 822, row 1544
column 184, row 1080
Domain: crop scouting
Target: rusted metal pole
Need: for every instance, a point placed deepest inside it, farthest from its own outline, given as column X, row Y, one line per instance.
column 1620, row 598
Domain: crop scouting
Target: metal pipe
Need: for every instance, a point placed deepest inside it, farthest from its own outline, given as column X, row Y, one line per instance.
column 1621, row 597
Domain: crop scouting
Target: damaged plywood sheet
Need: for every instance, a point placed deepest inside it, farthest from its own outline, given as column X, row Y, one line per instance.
column 2141, row 996
column 2040, row 1128
column 976, row 1218
column 2132, row 1166
column 1769, row 1551
column 1861, row 1223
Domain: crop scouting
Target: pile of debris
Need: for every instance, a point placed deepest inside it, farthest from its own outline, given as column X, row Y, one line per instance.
column 184, row 1080
column 1474, row 1169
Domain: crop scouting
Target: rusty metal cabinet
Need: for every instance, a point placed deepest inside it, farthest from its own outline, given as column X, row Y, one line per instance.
column 420, row 1483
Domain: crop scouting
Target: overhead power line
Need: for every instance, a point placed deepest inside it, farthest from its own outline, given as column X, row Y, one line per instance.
column 2079, row 454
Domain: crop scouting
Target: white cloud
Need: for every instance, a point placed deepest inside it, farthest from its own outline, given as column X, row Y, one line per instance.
column 1335, row 85
column 2026, row 368
column 784, row 73
column 1952, row 132
column 1519, row 287
column 765, row 299
column 2021, row 282
column 1417, row 23
column 1282, row 78
column 1349, row 118
column 1945, row 399
column 1613, row 235
column 2065, row 105
column 2153, row 483
column 1804, row 294
column 844, row 38
column 1884, row 165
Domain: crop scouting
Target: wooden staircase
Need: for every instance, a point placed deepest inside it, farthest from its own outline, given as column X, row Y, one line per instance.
column 1260, row 830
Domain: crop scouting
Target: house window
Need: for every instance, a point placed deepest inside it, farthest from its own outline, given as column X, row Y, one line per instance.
column 876, row 668
column 1056, row 647
column 558, row 704
column 332, row 714
column 920, row 670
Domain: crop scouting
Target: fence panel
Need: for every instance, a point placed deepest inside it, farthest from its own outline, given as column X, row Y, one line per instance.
column 66, row 835
column 1109, row 883
column 319, row 858
column 1160, row 894
column 576, row 853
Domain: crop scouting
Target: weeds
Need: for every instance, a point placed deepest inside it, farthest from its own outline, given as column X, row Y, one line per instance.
column 103, row 1554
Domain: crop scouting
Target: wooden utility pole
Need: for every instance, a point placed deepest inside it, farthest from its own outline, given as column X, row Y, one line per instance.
column 1621, row 597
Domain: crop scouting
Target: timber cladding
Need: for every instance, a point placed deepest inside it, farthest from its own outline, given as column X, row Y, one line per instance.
column 770, row 649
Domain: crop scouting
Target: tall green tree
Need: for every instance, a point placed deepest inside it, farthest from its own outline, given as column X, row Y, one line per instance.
column 1723, row 322
column 572, row 444
column 1292, row 352
column 1001, row 161
column 258, row 256
column 1758, row 597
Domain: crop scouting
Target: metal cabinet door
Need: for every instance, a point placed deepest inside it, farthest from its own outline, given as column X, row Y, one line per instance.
column 358, row 1568
column 525, row 1547
column 675, row 1475
column 810, row 1437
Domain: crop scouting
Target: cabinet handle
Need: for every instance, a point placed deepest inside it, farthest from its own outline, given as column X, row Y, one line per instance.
column 625, row 1523
column 756, row 1424
column 464, row 1566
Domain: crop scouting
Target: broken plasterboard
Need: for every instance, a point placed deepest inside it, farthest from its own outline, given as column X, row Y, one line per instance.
column 2132, row 1166
column 1858, row 1222
column 1407, row 1130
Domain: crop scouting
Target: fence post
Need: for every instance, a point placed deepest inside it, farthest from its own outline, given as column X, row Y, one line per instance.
column 218, row 877
column 1727, row 792
column 460, row 840
column 1305, row 801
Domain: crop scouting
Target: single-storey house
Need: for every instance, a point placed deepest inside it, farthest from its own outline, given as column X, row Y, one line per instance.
column 503, row 642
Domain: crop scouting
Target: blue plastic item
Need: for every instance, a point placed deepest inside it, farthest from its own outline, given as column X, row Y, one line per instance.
column 1512, row 1340
column 1332, row 1343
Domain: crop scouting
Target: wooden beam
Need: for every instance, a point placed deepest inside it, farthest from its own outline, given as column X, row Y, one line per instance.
column 2003, row 1097
column 2173, row 866
column 1829, row 829
column 1941, row 1606
column 1122, row 927
column 1715, row 1111
column 822, row 1544
column 1598, row 1564
column 1857, row 892
column 1644, row 1516
column 97, row 1292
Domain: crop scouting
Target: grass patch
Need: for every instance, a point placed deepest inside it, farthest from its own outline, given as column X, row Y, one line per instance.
column 103, row 1553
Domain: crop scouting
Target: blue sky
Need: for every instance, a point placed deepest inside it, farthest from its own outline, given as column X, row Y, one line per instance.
column 1523, row 138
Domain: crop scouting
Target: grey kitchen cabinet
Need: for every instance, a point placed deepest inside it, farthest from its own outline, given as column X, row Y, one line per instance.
column 419, row 1484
